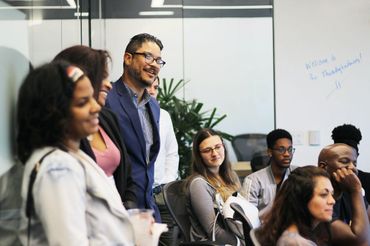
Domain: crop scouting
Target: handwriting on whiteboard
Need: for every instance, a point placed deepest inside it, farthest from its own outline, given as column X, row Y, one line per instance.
column 330, row 68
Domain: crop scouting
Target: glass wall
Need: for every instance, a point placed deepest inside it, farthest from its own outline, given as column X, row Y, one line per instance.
column 32, row 33
column 223, row 48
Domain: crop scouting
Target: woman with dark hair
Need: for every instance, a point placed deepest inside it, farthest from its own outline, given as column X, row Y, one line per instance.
column 211, row 175
column 105, row 146
column 304, row 201
column 66, row 198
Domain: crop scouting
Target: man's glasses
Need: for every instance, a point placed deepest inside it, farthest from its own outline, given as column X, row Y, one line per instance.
column 149, row 58
column 282, row 150
column 217, row 147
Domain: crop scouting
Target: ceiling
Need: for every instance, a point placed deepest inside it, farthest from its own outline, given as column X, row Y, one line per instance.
column 71, row 9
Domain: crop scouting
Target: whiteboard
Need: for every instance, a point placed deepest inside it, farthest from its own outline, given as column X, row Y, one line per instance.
column 322, row 71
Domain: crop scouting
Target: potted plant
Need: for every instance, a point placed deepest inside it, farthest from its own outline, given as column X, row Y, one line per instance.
column 187, row 118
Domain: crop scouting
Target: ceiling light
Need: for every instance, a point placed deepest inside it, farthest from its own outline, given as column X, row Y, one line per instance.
column 83, row 14
column 148, row 13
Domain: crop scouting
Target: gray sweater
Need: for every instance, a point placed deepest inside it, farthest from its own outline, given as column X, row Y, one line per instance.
column 202, row 209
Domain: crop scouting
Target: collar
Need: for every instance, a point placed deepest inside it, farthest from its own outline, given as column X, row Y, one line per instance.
column 146, row 96
column 286, row 174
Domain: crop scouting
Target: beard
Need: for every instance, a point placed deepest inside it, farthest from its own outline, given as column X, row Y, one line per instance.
column 138, row 78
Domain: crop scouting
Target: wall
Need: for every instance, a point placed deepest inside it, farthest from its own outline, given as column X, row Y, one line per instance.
column 322, row 75
column 25, row 43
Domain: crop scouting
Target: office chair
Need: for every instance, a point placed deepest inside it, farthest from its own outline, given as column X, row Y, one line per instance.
column 245, row 145
column 175, row 200
column 259, row 160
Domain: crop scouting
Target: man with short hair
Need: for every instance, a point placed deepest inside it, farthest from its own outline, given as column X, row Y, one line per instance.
column 350, row 224
column 260, row 187
column 138, row 112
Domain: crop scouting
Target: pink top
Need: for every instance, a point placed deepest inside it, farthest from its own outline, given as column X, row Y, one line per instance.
column 108, row 159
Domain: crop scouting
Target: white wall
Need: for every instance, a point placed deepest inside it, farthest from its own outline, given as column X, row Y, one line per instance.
column 311, row 38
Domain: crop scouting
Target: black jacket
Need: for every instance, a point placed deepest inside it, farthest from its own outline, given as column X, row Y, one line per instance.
column 122, row 175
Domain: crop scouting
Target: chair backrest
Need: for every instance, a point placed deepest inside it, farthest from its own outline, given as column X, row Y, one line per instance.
column 246, row 145
column 175, row 199
column 260, row 160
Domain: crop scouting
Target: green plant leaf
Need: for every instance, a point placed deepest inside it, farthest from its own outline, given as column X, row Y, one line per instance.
column 188, row 118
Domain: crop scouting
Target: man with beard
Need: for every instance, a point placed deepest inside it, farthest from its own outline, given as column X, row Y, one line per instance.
column 260, row 187
column 138, row 112
column 350, row 224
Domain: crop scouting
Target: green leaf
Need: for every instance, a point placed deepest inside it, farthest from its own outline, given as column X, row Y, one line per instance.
column 188, row 117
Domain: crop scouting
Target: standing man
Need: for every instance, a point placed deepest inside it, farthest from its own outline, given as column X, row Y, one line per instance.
column 138, row 112
column 166, row 166
column 260, row 187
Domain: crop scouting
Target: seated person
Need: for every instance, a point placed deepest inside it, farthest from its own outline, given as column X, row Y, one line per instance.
column 211, row 175
column 352, row 136
column 260, row 187
column 350, row 225
column 304, row 201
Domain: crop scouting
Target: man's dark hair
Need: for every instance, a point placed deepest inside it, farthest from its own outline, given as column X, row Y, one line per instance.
column 137, row 40
column 347, row 134
column 276, row 134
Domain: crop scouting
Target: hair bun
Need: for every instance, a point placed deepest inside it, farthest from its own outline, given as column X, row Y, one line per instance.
column 347, row 134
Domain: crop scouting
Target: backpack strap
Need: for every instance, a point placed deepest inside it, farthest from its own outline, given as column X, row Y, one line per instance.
column 29, row 203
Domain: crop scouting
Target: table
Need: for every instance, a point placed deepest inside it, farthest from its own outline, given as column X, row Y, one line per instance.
column 242, row 168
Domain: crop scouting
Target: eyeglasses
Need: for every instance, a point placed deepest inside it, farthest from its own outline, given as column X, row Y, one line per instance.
column 217, row 147
column 149, row 58
column 282, row 150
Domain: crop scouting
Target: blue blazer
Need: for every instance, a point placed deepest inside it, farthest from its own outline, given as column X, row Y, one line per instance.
column 120, row 102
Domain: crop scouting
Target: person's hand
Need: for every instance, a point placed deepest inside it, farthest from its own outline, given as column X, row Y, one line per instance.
column 347, row 180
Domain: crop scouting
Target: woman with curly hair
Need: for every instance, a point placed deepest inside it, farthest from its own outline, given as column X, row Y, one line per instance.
column 211, row 175
column 304, row 201
column 66, row 198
